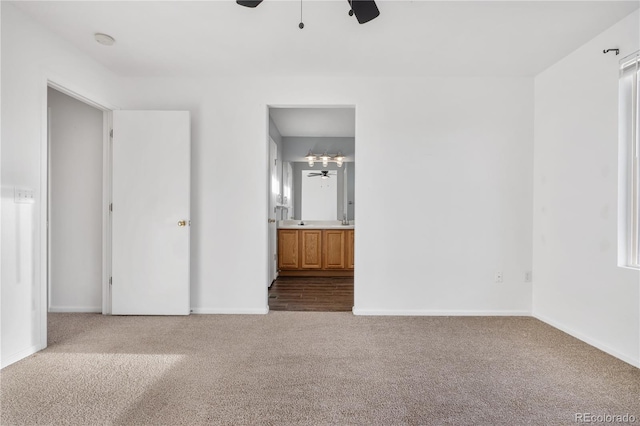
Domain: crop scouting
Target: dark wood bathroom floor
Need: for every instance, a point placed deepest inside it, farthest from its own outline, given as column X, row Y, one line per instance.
column 311, row 294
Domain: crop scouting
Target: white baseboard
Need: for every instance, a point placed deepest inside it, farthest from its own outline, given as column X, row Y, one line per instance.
column 20, row 355
column 76, row 309
column 227, row 311
column 593, row 342
column 438, row 313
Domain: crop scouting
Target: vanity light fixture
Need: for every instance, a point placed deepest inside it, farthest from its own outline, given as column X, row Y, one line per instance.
column 325, row 158
column 311, row 158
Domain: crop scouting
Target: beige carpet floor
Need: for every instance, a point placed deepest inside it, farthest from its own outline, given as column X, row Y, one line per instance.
column 313, row 369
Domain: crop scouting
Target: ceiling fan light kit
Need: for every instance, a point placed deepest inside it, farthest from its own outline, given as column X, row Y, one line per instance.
column 364, row 10
column 325, row 158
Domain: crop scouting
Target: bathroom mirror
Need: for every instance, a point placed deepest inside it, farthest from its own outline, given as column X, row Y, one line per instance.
column 304, row 135
column 331, row 202
column 319, row 194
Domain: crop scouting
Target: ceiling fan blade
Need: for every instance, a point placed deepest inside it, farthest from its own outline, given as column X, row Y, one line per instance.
column 365, row 10
column 249, row 3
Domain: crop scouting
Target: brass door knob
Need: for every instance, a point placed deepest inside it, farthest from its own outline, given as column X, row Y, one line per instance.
column 182, row 223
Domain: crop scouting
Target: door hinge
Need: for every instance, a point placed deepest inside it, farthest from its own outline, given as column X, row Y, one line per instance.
column 111, row 207
column 111, row 133
column 110, row 280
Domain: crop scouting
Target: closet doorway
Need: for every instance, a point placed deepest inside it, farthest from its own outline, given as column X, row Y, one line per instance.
column 76, row 133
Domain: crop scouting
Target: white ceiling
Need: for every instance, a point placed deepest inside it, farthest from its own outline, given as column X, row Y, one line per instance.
column 314, row 122
column 205, row 38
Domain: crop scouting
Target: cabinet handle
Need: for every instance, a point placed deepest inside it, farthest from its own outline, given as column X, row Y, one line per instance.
column 182, row 223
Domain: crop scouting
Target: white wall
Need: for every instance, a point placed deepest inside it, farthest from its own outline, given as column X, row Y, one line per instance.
column 578, row 287
column 30, row 55
column 430, row 237
column 75, row 206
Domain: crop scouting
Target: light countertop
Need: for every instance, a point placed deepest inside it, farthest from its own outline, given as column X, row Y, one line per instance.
column 314, row 224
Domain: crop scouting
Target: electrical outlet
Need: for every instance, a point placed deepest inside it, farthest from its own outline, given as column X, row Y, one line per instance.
column 499, row 277
column 24, row 196
column 527, row 276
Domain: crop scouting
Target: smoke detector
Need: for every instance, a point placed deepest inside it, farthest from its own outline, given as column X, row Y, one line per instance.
column 105, row 39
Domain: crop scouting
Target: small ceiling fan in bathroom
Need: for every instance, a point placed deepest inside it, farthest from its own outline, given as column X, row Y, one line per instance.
column 324, row 174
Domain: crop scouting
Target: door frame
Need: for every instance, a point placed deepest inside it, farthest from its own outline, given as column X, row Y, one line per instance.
column 267, row 137
column 273, row 209
column 70, row 89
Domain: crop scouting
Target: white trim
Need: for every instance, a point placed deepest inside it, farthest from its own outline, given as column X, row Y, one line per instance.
column 46, row 206
column 75, row 309
column 106, row 188
column 43, row 237
column 272, row 259
column 628, row 162
column 67, row 87
column 107, row 122
column 269, row 106
column 588, row 340
column 633, row 268
column 315, row 106
column 630, row 60
column 439, row 313
column 229, row 311
column 21, row 355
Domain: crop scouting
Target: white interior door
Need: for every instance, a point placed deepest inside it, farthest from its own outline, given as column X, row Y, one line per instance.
column 151, row 209
column 274, row 190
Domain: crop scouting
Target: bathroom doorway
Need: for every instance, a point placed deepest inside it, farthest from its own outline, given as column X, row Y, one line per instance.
column 311, row 243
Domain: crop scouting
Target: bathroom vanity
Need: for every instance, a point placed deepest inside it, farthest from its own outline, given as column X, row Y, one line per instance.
column 315, row 248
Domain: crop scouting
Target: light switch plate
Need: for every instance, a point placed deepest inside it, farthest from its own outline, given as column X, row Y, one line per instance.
column 24, row 196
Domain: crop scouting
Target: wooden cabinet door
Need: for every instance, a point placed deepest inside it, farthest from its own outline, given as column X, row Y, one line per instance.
column 288, row 254
column 311, row 254
column 350, row 246
column 334, row 245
